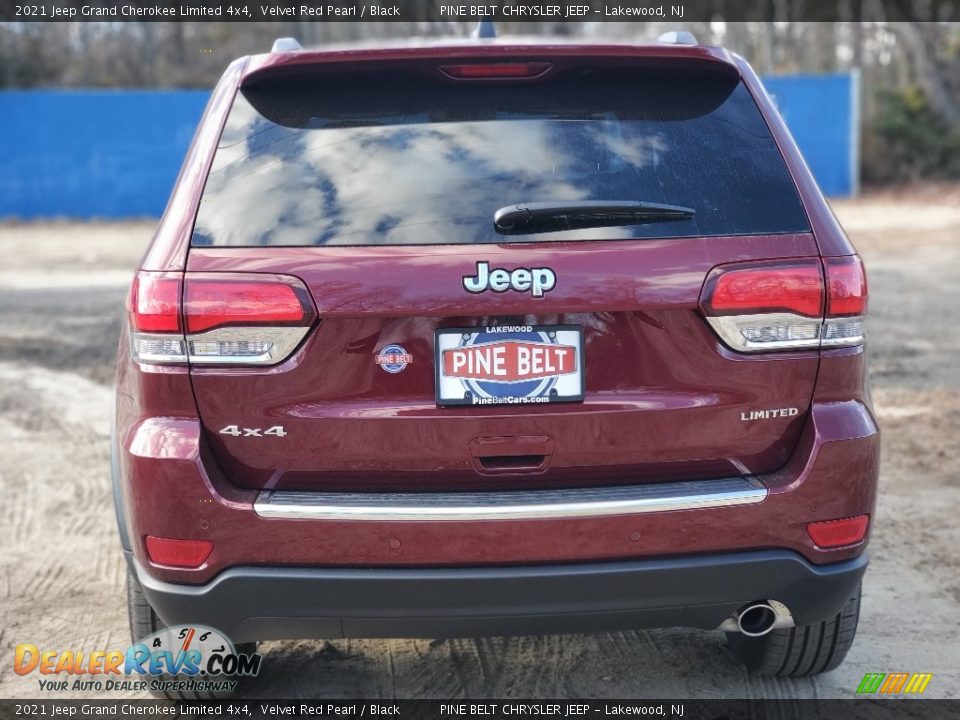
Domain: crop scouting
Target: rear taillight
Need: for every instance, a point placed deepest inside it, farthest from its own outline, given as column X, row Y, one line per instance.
column 846, row 301
column 787, row 305
column 247, row 319
column 154, row 308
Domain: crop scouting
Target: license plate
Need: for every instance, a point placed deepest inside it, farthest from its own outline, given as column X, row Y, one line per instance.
column 509, row 365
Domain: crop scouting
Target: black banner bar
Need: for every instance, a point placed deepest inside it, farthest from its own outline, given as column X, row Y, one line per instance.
column 463, row 10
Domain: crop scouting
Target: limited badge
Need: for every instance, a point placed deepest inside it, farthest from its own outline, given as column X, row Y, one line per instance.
column 393, row 358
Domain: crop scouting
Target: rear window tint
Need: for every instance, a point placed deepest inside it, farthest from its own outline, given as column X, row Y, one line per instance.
column 393, row 160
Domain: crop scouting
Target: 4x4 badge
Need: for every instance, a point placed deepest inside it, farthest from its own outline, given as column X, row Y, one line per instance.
column 534, row 280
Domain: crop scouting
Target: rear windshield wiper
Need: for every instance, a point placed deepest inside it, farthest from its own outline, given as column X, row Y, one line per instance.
column 539, row 217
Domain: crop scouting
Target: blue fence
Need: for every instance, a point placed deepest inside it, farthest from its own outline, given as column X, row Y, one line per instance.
column 116, row 153
column 822, row 112
column 93, row 153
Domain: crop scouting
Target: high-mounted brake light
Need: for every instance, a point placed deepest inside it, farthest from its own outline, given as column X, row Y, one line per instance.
column 787, row 304
column 249, row 319
column 491, row 71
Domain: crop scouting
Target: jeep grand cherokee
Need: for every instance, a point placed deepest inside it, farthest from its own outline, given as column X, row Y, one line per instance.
column 498, row 338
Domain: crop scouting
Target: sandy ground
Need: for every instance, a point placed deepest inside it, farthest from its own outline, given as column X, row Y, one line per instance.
column 62, row 576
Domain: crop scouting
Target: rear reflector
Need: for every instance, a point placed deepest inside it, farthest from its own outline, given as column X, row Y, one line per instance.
column 230, row 318
column 787, row 305
column 838, row 533
column 486, row 71
column 178, row 553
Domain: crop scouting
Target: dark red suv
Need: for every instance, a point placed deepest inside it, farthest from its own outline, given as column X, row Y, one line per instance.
column 495, row 338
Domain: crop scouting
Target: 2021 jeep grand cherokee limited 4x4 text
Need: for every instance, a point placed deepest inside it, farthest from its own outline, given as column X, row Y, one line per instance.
column 497, row 338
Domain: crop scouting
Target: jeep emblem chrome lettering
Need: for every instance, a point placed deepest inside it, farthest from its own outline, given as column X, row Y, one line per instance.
column 533, row 280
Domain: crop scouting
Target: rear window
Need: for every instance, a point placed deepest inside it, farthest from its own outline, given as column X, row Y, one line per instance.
column 400, row 160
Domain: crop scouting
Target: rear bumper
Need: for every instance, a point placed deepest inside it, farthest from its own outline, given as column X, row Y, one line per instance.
column 169, row 487
column 262, row 603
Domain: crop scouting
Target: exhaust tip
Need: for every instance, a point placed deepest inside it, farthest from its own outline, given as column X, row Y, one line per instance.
column 757, row 620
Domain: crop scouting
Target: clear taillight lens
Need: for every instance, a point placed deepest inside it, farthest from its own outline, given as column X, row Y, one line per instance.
column 787, row 305
column 218, row 318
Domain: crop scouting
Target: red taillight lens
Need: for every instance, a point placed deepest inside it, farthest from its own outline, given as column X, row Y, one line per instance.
column 837, row 533
column 846, row 286
column 218, row 301
column 481, row 71
column 178, row 553
column 787, row 287
column 154, row 302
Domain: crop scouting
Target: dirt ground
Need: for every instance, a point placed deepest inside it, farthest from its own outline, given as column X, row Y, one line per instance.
column 62, row 575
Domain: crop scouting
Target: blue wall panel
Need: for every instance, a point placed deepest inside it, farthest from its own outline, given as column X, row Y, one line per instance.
column 93, row 153
column 820, row 111
column 117, row 153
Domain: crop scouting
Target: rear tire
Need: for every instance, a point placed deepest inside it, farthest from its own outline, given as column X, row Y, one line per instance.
column 800, row 651
column 144, row 621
